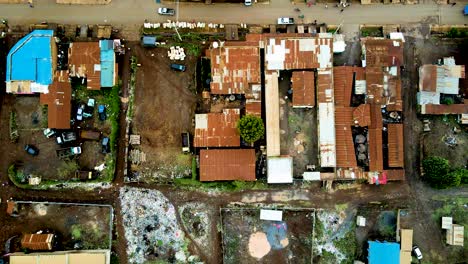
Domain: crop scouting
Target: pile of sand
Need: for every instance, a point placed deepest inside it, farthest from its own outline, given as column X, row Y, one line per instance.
column 258, row 245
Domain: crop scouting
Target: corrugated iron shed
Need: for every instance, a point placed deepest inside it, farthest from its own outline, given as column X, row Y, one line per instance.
column 217, row 129
column 233, row 68
column 58, row 101
column 343, row 84
column 227, row 164
column 383, row 52
column 37, row 241
column 395, row 146
column 432, row 109
column 345, row 153
column 84, row 61
column 303, row 84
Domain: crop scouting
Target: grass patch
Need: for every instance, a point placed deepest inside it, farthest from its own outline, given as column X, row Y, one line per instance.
column 347, row 245
column 232, row 186
column 341, row 207
column 14, row 136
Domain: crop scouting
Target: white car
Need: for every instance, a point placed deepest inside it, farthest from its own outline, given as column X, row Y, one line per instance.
column 417, row 252
column 166, row 11
column 285, row 21
column 247, row 2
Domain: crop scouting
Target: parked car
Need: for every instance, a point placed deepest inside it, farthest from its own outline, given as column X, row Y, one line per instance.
column 67, row 152
column 417, row 252
column 31, row 150
column 105, row 145
column 285, row 21
column 166, row 11
column 102, row 112
column 88, row 134
column 178, row 67
column 247, row 2
column 48, row 132
column 66, row 137
column 79, row 113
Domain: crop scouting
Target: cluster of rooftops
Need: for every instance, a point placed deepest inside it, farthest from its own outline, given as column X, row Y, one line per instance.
column 32, row 68
column 357, row 140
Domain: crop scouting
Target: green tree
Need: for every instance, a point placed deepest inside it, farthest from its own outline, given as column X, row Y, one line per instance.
column 463, row 173
column 251, row 128
column 436, row 170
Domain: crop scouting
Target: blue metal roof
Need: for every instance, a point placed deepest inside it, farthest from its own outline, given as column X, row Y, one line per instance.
column 384, row 253
column 30, row 59
column 107, row 63
column 149, row 41
column 466, row 10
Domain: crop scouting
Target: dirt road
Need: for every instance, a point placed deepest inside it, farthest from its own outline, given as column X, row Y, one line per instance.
column 132, row 13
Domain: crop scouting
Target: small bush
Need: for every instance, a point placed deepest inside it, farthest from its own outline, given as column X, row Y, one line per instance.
column 251, row 128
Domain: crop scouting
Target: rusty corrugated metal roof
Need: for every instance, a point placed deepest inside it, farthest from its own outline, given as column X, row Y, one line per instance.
column 345, row 153
column 432, row 109
column 375, row 149
column 37, row 241
column 253, row 108
column 376, row 117
column 395, row 174
column 362, row 116
column 428, row 78
column 217, row 129
column 233, row 68
column 227, row 164
column 343, row 84
column 325, row 86
column 58, row 101
column 82, row 57
column 383, row 52
column 395, row 146
column 303, row 84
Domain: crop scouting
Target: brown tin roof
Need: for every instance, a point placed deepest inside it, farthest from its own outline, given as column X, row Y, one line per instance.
column 217, row 129
column 395, row 145
column 303, row 84
column 345, row 153
column 227, row 164
column 383, row 52
column 253, row 108
column 375, row 149
column 361, row 115
column 324, row 86
column 343, row 84
column 432, row 109
column 58, row 101
column 233, row 68
column 37, row 241
column 82, row 57
column 395, row 174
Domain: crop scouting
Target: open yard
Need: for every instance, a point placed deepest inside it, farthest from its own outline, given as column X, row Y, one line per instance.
column 247, row 239
column 164, row 105
column 77, row 226
column 298, row 129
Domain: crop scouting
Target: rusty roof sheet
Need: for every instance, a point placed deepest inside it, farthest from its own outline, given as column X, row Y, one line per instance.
column 343, row 84
column 395, row 146
column 432, row 109
column 362, row 116
column 383, row 52
column 345, row 153
column 376, row 117
column 395, row 174
column 374, row 83
column 325, row 86
column 297, row 52
column 58, row 101
column 375, row 149
column 83, row 58
column 217, row 129
column 227, row 164
column 37, row 241
column 253, row 108
column 428, row 78
column 303, row 84
column 233, row 68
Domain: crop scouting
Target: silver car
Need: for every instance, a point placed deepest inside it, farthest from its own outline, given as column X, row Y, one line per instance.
column 166, row 11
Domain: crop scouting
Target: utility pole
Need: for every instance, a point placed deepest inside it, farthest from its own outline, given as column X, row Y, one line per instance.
column 177, row 20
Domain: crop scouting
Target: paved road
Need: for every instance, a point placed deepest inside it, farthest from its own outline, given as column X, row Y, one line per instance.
column 133, row 12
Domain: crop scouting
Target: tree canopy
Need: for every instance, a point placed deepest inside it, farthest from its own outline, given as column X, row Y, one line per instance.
column 251, row 128
column 438, row 174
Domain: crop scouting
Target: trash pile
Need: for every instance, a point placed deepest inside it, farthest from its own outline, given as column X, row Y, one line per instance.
column 151, row 227
column 176, row 53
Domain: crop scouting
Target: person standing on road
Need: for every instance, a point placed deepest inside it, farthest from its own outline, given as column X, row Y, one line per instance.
column 342, row 10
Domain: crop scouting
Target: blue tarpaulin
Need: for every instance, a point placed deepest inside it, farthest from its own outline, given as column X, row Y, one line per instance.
column 466, row 10
column 30, row 59
column 384, row 252
column 107, row 63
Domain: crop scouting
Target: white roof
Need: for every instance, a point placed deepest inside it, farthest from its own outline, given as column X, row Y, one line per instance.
column 272, row 115
column 327, row 140
column 311, row 175
column 428, row 98
column 397, row 35
column 447, row 222
column 280, row 169
column 271, row 215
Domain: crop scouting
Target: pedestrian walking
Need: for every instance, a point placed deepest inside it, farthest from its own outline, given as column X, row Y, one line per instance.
column 342, row 10
column 326, row 6
column 454, row 4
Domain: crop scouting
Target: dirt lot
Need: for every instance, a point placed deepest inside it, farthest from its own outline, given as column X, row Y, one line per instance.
column 87, row 227
column 435, row 142
column 298, row 130
column 164, row 105
column 287, row 241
